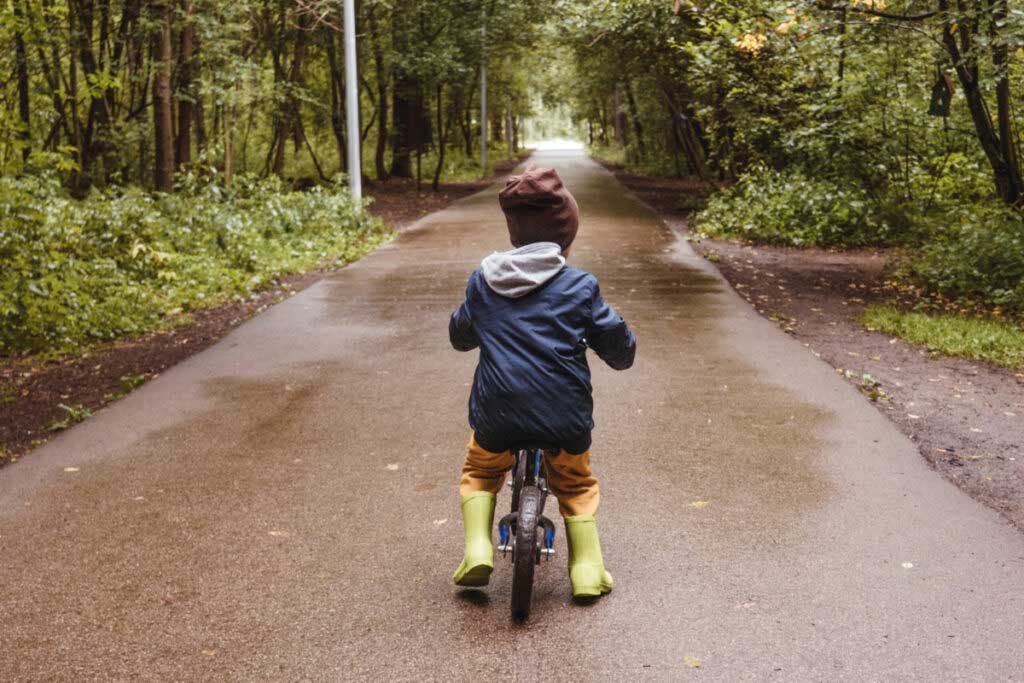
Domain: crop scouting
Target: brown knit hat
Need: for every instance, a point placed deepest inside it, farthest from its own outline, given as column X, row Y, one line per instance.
column 538, row 208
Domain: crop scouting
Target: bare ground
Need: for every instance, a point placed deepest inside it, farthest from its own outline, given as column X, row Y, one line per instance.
column 33, row 390
column 967, row 417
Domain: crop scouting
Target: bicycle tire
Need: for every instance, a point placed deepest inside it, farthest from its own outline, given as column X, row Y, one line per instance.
column 519, row 478
column 524, row 559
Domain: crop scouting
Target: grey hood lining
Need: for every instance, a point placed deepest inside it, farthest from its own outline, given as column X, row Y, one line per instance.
column 518, row 272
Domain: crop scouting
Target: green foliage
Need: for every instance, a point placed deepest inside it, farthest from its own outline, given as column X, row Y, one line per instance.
column 130, row 383
column 124, row 262
column 979, row 257
column 791, row 209
column 73, row 415
column 978, row 338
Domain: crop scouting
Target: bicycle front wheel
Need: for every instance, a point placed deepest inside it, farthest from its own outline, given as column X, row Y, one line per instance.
column 524, row 558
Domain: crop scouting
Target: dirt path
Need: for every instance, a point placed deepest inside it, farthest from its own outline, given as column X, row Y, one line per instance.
column 283, row 505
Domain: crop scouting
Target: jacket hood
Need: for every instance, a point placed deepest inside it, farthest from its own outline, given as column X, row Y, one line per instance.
column 518, row 272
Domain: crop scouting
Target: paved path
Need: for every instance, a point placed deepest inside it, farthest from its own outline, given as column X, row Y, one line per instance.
column 283, row 506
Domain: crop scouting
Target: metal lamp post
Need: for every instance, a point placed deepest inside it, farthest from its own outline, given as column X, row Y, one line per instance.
column 355, row 168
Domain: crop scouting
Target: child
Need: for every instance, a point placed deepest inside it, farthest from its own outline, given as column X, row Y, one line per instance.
column 533, row 318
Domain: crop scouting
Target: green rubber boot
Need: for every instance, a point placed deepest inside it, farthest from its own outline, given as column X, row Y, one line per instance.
column 477, row 519
column 586, row 567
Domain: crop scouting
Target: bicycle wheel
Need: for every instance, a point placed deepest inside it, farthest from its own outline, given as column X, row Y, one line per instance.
column 524, row 558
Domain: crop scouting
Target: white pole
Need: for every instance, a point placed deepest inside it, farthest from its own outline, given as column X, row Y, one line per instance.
column 355, row 168
column 483, row 91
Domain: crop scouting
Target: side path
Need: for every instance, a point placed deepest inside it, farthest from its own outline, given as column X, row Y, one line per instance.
column 284, row 504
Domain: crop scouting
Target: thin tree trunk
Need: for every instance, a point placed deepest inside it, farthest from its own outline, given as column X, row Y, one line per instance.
column 230, row 116
column 442, row 140
column 467, row 130
column 337, row 101
column 21, row 56
column 379, row 166
column 163, row 123
column 1004, row 115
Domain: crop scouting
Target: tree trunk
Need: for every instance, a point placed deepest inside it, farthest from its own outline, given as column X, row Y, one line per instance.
column 379, row 165
column 21, row 56
column 467, row 129
column 619, row 119
column 1007, row 147
column 337, row 100
column 186, row 86
column 404, row 123
column 442, row 139
column 163, row 123
column 634, row 114
column 1005, row 171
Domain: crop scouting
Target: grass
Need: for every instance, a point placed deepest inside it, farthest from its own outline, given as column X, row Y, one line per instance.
column 1001, row 343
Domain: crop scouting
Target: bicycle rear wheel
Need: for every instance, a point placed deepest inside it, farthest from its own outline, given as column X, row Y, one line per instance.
column 525, row 554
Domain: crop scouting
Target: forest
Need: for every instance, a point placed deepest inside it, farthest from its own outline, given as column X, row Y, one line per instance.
column 158, row 156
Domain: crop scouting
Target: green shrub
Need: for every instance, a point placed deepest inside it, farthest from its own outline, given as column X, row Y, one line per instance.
column 122, row 262
column 788, row 208
column 979, row 257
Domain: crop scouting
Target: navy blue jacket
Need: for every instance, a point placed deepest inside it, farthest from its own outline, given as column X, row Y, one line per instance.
column 532, row 382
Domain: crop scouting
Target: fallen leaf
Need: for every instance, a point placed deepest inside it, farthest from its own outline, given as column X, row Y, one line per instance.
column 699, row 503
column 691, row 661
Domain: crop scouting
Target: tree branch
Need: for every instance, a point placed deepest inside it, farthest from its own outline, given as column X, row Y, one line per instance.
column 877, row 13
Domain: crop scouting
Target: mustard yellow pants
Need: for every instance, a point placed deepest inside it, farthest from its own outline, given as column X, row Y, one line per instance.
column 569, row 477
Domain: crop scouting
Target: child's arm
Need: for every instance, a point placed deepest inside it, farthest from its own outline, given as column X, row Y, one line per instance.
column 609, row 335
column 460, row 330
column 460, row 327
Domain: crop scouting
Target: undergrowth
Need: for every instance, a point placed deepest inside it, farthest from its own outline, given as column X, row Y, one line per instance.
column 123, row 262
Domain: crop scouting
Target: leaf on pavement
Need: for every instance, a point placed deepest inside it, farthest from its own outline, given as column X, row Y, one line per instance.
column 691, row 661
column 699, row 503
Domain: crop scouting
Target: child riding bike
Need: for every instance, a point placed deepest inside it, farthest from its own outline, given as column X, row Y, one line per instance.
column 533, row 317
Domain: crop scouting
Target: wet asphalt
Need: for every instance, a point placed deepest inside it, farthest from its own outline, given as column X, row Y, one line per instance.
column 284, row 505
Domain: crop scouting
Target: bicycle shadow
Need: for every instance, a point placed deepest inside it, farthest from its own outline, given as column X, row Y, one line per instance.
column 474, row 597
